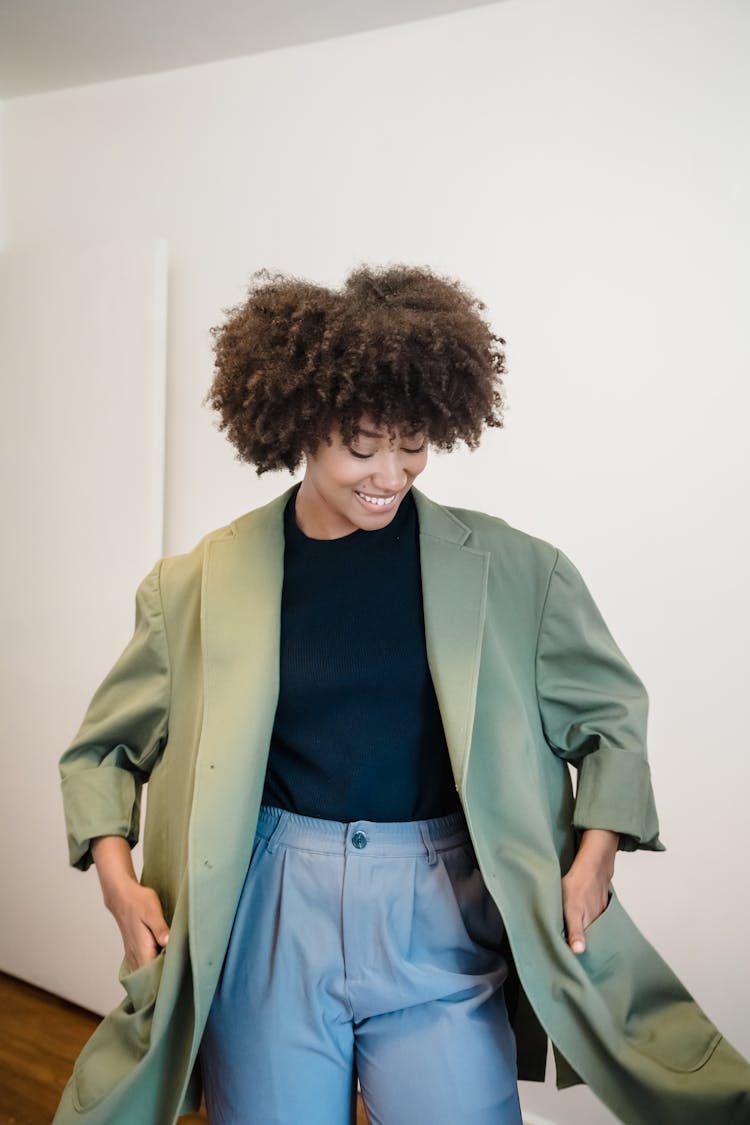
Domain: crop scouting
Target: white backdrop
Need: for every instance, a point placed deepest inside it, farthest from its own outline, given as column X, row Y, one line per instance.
column 584, row 167
column 82, row 333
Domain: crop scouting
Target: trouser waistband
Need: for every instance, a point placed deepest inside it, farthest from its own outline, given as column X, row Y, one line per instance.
column 362, row 837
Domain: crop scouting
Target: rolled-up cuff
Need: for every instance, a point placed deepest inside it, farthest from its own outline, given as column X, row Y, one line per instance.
column 614, row 792
column 104, row 801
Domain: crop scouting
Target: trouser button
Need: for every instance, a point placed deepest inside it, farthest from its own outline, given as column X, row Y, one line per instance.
column 359, row 839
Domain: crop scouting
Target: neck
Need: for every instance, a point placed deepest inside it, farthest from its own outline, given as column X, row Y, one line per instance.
column 315, row 518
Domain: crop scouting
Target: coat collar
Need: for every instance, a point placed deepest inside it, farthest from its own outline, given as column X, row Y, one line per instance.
column 240, row 636
column 435, row 520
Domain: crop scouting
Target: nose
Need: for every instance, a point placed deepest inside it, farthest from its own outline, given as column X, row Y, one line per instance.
column 391, row 475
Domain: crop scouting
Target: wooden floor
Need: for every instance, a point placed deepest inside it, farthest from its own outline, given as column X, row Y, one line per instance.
column 40, row 1038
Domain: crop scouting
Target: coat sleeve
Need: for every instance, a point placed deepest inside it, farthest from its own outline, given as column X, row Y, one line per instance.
column 594, row 711
column 122, row 734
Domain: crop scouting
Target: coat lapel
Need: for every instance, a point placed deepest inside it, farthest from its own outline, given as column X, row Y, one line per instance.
column 454, row 594
column 240, row 631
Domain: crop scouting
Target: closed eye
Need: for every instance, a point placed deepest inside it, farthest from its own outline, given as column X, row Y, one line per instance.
column 364, row 456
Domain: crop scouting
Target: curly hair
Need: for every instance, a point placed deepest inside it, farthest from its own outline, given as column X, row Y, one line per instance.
column 398, row 343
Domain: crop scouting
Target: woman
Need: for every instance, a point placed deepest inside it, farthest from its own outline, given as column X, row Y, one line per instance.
column 356, row 710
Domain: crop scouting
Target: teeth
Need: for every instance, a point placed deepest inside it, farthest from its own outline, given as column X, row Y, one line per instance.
column 377, row 501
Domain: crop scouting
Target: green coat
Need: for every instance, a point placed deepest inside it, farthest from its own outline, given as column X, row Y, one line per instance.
column 528, row 679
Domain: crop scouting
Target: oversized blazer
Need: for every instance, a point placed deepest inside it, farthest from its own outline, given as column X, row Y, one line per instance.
column 529, row 683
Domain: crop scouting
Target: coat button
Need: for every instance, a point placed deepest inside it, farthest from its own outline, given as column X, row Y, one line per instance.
column 359, row 839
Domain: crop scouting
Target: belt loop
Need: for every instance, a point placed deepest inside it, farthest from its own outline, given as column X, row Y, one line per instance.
column 274, row 839
column 427, row 841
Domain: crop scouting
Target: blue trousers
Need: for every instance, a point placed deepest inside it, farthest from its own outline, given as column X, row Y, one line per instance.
column 367, row 950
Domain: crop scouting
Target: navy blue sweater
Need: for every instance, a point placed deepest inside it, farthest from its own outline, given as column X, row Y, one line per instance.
column 357, row 733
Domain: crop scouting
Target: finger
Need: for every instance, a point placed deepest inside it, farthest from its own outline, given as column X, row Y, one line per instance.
column 156, row 923
column 577, row 942
column 574, row 925
column 162, row 934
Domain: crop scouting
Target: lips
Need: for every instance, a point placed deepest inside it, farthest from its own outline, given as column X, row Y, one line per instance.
column 377, row 503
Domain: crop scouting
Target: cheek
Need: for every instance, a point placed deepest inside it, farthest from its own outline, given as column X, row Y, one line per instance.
column 351, row 479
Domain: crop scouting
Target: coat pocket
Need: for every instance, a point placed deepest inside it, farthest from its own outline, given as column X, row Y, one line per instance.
column 121, row 1039
column 656, row 1012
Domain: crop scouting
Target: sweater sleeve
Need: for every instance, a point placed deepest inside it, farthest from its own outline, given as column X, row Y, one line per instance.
column 122, row 735
column 594, row 712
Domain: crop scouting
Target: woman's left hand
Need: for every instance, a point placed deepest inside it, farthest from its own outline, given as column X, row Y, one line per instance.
column 585, row 888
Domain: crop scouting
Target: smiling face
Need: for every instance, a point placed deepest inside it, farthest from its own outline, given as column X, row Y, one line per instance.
column 358, row 486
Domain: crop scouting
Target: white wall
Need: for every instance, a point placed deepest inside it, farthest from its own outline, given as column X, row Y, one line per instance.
column 82, row 334
column 82, row 346
column 583, row 167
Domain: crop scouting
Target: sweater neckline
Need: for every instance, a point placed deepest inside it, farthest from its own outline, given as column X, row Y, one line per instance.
column 353, row 539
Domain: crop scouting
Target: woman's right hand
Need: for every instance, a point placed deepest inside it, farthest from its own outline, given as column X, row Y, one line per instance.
column 136, row 909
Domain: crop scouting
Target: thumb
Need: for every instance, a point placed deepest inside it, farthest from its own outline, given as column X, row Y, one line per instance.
column 574, row 926
column 576, row 940
column 157, row 924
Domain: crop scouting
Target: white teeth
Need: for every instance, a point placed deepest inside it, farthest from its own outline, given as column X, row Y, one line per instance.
column 377, row 501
